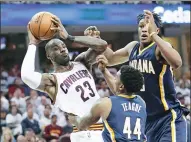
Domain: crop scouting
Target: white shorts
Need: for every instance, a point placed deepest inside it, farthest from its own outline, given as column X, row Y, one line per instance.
column 86, row 136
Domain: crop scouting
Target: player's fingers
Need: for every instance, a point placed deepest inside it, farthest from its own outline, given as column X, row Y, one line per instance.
column 147, row 12
column 54, row 29
column 99, row 57
column 54, row 21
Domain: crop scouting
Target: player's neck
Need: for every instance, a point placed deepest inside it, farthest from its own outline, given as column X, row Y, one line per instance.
column 60, row 68
column 144, row 45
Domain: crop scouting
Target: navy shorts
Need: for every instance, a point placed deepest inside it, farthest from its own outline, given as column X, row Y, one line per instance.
column 171, row 127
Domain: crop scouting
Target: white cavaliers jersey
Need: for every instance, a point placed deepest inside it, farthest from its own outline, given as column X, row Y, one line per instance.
column 76, row 91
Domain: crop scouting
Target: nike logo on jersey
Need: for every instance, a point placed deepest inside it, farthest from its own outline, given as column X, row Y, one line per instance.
column 145, row 66
column 73, row 78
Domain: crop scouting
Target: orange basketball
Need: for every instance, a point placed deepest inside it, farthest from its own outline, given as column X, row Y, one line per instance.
column 40, row 25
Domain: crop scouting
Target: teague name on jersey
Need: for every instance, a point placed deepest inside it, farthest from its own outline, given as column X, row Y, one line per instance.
column 73, row 78
column 131, row 107
column 143, row 65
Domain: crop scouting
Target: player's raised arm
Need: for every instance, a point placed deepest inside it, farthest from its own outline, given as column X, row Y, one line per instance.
column 110, row 79
column 100, row 109
column 96, row 44
column 35, row 80
column 168, row 53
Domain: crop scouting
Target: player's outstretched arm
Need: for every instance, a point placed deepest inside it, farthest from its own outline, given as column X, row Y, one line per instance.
column 100, row 109
column 110, row 79
column 168, row 53
column 120, row 56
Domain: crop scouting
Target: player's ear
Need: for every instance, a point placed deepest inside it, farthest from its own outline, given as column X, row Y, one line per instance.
column 121, row 87
column 158, row 30
column 48, row 57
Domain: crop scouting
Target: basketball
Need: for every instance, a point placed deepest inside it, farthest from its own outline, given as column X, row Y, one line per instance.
column 40, row 25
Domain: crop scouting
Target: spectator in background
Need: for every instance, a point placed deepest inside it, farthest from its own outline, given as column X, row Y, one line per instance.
column 19, row 100
column 29, row 122
column 16, row 84
column 35, row 99
column 45, row 119
column 41, row 107
column 103, row 91
column 30, row 135
column 4, row 81
column 13, row 121
column 21, row 138
column 35, row 115
column 4, row 102
column 185, row 81
column 52, row 131
column 7, row 135
column 13, row 74
column 3, row 114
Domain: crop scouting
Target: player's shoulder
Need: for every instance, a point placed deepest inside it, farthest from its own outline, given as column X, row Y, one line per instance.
column 76, row 63
column 141, row 100
column 129, row 47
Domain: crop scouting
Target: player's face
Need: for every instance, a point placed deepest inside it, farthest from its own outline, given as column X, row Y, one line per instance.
column 143, row 33
column 60, row 54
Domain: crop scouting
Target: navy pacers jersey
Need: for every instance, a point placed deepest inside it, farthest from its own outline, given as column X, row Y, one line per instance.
column 126, row 121
column 158, row 90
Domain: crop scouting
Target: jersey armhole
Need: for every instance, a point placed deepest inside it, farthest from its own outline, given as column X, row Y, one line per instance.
column 53, row 100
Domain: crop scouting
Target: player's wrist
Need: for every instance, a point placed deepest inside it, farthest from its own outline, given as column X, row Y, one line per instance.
column 152, row 33
column 70, row 38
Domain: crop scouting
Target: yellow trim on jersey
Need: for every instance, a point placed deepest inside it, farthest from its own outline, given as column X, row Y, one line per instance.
column 91, row 128
column 112, row 134
column 171, row 71
column 141, row 51
column 128, row 97
column 173, row 126
column 161, row 86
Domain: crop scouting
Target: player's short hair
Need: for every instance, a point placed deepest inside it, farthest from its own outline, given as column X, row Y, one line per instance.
column 131, row 78
column 156, row 16
column 53, row 42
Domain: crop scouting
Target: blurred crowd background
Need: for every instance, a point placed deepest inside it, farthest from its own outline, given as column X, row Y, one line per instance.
column 28, row 115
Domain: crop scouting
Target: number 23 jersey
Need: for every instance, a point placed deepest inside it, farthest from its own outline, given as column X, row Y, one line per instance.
column 76, row 90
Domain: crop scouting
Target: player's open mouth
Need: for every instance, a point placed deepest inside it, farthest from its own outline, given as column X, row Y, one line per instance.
column 144, row 36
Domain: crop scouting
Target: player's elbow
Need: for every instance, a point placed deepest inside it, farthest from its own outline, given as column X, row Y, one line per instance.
column 177, row 64
column 24, row 76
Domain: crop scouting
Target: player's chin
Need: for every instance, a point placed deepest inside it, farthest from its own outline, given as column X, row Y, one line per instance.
column 145, row 41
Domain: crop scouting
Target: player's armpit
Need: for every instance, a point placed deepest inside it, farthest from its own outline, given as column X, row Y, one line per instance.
column 48, row 85
column 120, row 56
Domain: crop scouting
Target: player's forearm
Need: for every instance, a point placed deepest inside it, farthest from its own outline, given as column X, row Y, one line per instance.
column 170, row 55
column 110, row 79
column 28, row 74
column 91, row 42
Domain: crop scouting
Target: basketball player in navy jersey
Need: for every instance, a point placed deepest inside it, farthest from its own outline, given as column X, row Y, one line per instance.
column 155, row 58
column 124, row 115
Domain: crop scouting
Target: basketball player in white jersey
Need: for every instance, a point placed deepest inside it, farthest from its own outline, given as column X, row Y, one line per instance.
column 71, row 87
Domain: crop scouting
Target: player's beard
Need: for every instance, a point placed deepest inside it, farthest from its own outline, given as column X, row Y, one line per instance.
column 62, row 60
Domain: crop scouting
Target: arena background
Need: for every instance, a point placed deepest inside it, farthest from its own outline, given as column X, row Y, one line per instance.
column 117, row 22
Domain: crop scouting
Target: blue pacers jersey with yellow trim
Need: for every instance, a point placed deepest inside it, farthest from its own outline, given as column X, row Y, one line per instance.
column 126, row 121
column 158, row 90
